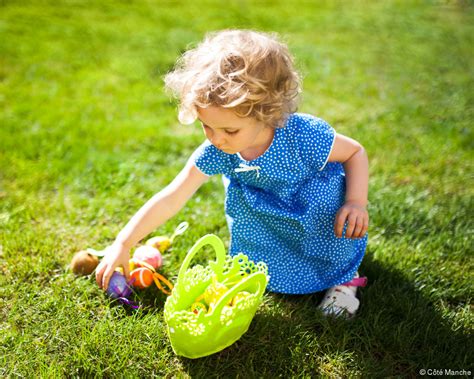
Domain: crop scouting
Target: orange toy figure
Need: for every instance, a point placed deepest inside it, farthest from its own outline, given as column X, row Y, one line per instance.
column 141, row 277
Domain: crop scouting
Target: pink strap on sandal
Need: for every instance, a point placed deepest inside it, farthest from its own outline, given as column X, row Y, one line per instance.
column 356, row 282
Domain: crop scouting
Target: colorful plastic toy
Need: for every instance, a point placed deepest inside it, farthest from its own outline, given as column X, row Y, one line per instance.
column 213, row 292
column 195, row 333
column 241, row 296
column 148, row 254
column 84, row 263
column 140, row 277
column 163, row 243
column 198, row 307
column 120, row 289
column 216, row 290
column 211, row 296
column 118, row 286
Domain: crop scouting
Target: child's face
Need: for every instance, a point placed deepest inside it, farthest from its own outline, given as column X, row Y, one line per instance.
column 230, row 133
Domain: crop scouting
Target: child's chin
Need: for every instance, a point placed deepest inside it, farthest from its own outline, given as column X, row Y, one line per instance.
column 228, row 151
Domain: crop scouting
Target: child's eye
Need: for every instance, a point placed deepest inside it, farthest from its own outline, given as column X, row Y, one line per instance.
column 230, row 132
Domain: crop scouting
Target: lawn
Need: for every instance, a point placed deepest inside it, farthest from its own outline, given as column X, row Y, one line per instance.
column 88, row 135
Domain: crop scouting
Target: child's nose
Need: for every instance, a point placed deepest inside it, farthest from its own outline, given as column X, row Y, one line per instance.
column 217, row 140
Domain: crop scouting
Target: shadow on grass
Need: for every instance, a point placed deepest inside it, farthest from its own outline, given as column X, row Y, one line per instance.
column 397, row 331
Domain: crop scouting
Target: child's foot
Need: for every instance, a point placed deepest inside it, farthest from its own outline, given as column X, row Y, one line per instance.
column 341, row 300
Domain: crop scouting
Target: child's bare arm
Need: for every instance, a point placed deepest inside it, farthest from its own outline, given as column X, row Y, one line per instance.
column 356, row 166
column 151, row 215
column 161, row 207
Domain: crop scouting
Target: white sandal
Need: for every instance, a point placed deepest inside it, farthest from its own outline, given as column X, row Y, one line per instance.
column 341, row 300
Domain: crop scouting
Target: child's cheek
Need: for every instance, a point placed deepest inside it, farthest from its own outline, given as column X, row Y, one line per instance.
column 208, row 134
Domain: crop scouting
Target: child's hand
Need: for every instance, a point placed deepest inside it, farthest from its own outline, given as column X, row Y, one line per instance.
column 357, row 219
column 116, row 255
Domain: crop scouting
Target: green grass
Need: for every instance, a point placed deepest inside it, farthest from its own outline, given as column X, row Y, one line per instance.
column 88, row 135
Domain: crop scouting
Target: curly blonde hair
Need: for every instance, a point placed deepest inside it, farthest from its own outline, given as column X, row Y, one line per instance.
column 250, row 72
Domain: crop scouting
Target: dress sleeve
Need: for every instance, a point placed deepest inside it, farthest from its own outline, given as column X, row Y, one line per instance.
column 316, row 140
column 210, row 160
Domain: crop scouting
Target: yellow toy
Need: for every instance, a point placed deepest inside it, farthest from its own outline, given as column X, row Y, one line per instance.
column 163, row 243
column 214, row 292
column 198, row 307
column 240, row 297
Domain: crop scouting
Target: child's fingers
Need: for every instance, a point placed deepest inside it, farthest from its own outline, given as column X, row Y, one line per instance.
column 106, row 278
column 358, row 227
column 99, row 272
column 351, row 223
column 362, row 226
column 340, row 221
column 365, row 227
column 126, row 270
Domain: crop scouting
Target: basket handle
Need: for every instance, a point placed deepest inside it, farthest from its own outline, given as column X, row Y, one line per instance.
column 219, row 249
column 257, row 277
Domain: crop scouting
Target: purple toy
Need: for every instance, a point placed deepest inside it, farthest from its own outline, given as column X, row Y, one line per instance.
column 119, row 289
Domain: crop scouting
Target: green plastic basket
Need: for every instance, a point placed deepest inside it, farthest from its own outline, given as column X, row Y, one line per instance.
column 197, row 335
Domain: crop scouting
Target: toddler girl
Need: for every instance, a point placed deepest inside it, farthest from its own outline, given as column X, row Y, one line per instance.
column 296, row 191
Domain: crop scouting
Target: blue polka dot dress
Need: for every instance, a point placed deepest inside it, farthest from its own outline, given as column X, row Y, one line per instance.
column 281, row 207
